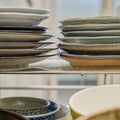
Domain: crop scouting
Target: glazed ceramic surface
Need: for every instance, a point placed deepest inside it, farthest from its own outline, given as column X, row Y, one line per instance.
column 24, row 10
column 94, row 99
column 92, row 40
column 25, row 105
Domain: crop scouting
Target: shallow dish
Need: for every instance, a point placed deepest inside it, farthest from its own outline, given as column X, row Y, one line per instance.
column 63, row 113
column 23, row 52
column 94, row 99
column 92, row 40
column 91, row 62
column 6, row 115
column 88, row 27
column 23, row 45
column 25, row 105
column 91, row 33
column 21, row 19
column 24, row 10
column 23, row 37
column 54, row 108
column 90, row 49
column 94, row 20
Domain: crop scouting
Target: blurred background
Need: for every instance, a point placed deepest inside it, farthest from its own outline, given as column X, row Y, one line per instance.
column 59, row 10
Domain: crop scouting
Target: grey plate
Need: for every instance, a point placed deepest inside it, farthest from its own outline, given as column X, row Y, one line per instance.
column 24, row 10
column 22, row 37
column 87, row 27
column 92, row 40
column 90, row 49
column 91, row 33
column 94, row 20
column 23, row 45
column 21, row 19
column 23, row 52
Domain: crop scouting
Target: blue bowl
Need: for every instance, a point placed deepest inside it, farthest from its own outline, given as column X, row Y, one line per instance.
column 53, row 108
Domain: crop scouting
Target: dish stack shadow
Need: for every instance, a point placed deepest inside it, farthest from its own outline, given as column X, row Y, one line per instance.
column 22, row 38
column 91, row 43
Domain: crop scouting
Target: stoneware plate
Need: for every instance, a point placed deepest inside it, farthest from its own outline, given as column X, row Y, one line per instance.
column 21, row 19
column 24, row 10
column 22, row 37
column 87, row 27
column 91, row 61
column 23, row 52
column 94, row 20
column 90, row 49
column 17, row 63
column 92, row 40
column 91, row 33
column 23, row 45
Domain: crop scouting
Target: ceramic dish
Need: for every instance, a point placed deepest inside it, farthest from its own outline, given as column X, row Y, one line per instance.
column 87, row 27
column 89, row 62
column 25, row 105
column 94, row 20
column 91, row 33
column 92, row 40
column 16, row 63
column 54, row 108
column 22, row 37
column 21, row 19
column 24, row 10
column 110, row 114
column 24, row 28
column 23, row 52
column 5, row 115
column 94, row 99
column 90, row 49
column 63, row 113
column 23, row 45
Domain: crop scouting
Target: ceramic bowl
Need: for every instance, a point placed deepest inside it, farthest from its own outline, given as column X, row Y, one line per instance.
column 110, row 114
column 25, row 105
column 54, row 108
column 63, row 113
column 6, row 115
column 94, row 99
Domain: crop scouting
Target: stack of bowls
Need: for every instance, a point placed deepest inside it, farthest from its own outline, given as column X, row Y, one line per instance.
column 94, row 100
column 22, row 39
column 91, row 43
column 35, row 108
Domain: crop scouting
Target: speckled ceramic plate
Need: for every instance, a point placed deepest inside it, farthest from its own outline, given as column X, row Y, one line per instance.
column 21, row 19
column 90, row 61
column 90, row 49
column 91, row 33
column 87, row 27
column 94, row 20
column 23, row 45
column 92, row 40
column 22, row 37
column 17, row 63
column 23, row 52
column 24, row 10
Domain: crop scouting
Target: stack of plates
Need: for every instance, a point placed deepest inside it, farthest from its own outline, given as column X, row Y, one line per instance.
column 22, row 41
column 92, row 43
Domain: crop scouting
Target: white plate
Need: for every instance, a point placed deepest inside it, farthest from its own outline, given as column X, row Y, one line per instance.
column 22, row 37
column 24, row 10
column 20, row 19
column 23, row 52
